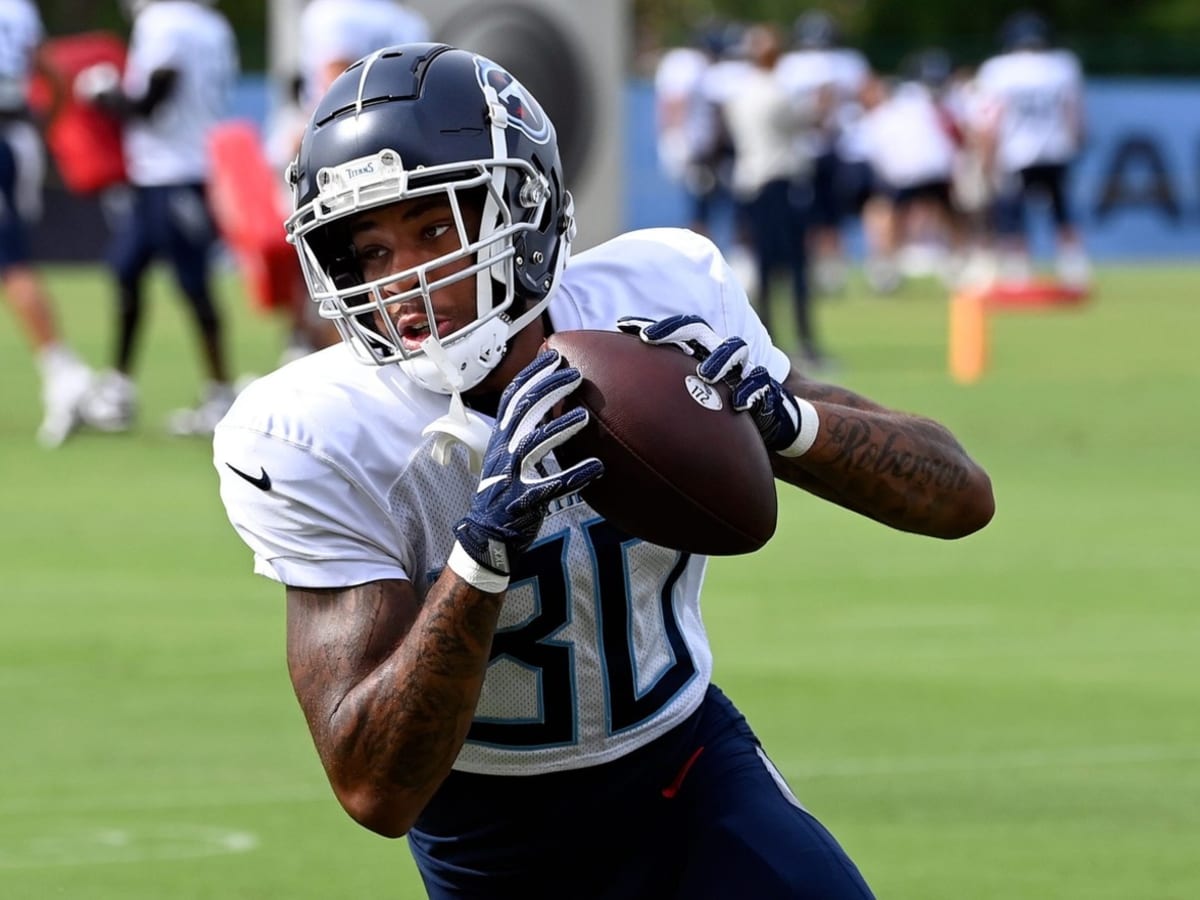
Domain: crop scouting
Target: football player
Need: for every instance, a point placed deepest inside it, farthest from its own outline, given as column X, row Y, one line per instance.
column 819, row 61
column 771, row 131
column 1033, row 125
column 687, row 125
column 485, row 664
column 335, row 33
column 65, row 379
column 181, row 66
column 332, row 35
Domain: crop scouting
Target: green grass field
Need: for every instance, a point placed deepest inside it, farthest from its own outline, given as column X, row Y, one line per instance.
column 1014, row 715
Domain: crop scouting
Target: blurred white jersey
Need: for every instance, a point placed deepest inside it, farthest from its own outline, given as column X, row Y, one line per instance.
column 907, row 139
column 770, row 132
column 724, row 79
column 22, row 30
column 600, row 648
column 347, row 30
column 171, row 145
column 842, row 70
column 1033, row 98
column 687, row 123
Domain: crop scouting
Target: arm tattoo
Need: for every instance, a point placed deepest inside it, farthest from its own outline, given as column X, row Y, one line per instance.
column 906, row 471
column 894, row 453
column 389, row 683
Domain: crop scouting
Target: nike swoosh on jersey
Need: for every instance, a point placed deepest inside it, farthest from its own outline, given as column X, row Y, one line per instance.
column 262, row 482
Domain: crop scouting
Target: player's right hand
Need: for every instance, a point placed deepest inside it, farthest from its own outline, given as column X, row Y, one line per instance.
column 514, row 491
column 787, row 424
column 689, row 333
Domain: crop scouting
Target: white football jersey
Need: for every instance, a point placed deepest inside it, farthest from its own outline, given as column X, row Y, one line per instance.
column 842, row 70
column 600, row 648
column 332, row 30
column 171, row 145
column 1034, row 99
column 21, row 31
column 907, row 139
column 770, row 132
column 688, row 128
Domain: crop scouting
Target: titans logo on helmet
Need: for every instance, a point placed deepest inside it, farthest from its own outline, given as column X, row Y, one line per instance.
column 524, row 112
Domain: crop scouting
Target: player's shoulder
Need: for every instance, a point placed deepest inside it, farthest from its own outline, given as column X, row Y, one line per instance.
column 993, row 64
column 650, row 272
column 644, row 250
column 318, row 13
column 330, row 405
column 680, row 61
column 1005, row 67
column 1066, row 61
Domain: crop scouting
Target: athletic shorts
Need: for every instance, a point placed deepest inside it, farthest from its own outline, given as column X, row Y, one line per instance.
column 22, row 171
column 1047, row 181
column 699, row 813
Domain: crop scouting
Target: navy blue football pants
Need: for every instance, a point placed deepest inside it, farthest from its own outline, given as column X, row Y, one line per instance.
column 14, row 234
column 699, row 813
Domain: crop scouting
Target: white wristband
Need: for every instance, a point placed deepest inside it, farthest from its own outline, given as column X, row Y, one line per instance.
column 810, row 422
column 481, row 577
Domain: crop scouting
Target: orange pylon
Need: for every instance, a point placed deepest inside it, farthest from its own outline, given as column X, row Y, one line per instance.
column 968, row 335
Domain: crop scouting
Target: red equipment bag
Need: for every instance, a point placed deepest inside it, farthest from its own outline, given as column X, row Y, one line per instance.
column 244, row 193
column 85, row 142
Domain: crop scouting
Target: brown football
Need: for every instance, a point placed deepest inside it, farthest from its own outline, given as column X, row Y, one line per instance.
column 681, row 468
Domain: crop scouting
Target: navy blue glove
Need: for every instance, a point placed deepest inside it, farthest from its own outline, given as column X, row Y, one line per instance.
column 788, row 425
column 514, row 489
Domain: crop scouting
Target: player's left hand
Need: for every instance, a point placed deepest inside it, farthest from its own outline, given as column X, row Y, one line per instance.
column 788, row 425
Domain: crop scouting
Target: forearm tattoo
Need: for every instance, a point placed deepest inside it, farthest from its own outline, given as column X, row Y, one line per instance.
column 898, row 452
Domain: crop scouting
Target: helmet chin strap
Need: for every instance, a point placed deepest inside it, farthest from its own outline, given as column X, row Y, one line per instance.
column 458, row 425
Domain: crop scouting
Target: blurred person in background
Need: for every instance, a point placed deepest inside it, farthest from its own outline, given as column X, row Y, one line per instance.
column 333, row 34
column 65, row 379
column 179, row 72
column 454, row 607
column 912, row 144
column 722, row 83
column 972, row 188
column 1032, row 128
column 772, row 176
column 819, row 60
column 688, row 124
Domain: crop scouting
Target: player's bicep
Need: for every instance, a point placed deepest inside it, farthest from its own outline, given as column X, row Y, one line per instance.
column 338, row 637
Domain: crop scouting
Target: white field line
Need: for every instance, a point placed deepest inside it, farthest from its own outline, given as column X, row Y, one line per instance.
column 1063, row 757
column 72, row 804
column 100, row 846
column 66, row 803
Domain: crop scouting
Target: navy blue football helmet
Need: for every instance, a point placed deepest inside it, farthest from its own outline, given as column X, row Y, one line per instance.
column 421, row 120
column 1025, row 30
column 815, row 30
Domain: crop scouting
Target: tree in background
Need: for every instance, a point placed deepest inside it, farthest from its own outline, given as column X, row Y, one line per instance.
column 1112, row 37
column 249, row 22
